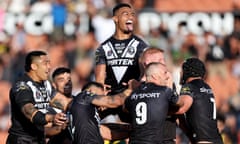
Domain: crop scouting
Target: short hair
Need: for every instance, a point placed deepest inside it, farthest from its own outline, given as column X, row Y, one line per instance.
column 60, row 70
column 151, row 68
column 30, row 57
column 92, row 83
column 151, row 50
column 120, row 5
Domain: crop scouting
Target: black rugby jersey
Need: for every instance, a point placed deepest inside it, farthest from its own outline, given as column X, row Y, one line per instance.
column 121, row 59
column 85, row 120
column 24, row 91
column 201, row 116
column 148, row 107
column 65, row 136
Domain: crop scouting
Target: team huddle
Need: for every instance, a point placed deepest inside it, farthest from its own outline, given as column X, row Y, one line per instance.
column 131, row 80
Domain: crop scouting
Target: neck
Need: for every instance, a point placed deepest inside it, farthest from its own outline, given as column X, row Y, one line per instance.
column 119, row 35
column 33, row 76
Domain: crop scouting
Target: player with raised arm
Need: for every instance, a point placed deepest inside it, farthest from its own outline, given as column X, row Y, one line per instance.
column 197, row 101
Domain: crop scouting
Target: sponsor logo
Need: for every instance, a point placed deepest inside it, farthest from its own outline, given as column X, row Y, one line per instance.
column 145, row 95
column 205, row 90
column 131, row 50
column 120, row 62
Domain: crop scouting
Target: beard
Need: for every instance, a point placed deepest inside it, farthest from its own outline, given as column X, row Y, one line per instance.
column 127, row 32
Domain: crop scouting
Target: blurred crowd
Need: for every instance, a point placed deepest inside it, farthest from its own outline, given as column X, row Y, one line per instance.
column 221, row 53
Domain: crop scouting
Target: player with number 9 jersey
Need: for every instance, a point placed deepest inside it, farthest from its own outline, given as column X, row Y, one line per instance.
column 148, row 107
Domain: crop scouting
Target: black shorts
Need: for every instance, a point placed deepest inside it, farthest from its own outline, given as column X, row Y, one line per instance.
column 14, row 139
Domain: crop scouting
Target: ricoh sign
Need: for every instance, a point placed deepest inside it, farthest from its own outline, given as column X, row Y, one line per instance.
column 196, row 22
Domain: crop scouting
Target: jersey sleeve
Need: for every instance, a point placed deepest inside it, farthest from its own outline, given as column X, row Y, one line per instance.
column 85, row 97
column 144, row 45
column 23, row 94
column 186, row 90
column 100, row 57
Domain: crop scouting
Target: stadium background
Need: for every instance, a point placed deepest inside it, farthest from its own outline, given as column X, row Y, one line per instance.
column 70, row 30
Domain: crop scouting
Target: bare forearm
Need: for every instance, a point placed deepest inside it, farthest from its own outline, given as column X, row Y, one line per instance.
column 118, row 99
column 29, row 110
column 100, row 73
column 36, row 116
column 60, row 101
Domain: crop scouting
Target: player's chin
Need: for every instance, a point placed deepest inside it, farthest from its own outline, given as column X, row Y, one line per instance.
column 45, row 77
column 127, row 31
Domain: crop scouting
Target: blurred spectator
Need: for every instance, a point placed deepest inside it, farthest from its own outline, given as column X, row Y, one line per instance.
column 2, row 14
column 18, row 39
column 57, row 51
column 4, row 43
column 231, row 46
column 176, row 40
column 59, row 13
column 102, row 17
column 159, row 37
column 223, row 129
column 70, row 46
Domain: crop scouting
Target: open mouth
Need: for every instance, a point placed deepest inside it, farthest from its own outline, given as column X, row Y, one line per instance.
column 129, row 24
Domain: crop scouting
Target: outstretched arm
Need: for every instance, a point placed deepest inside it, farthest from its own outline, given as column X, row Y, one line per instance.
column 60, row 101
column 118, row 99
column 111, row 101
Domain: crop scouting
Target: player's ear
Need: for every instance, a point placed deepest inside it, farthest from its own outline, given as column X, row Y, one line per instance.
column 115, row 19
column 154, row 76
column 33, row 66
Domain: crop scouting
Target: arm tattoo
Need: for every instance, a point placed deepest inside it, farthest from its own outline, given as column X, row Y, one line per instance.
column 57, row 104
column 112, row 98
column 98, row 97
column 121, row 95
column 29, row 110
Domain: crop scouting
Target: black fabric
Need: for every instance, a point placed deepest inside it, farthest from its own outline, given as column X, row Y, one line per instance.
column 201, row 116
column 148, row 107
column 121, row 59
column 39, row 119
column 65, row 136
column 169, row 133
column 25, row 90
column 85, row 120
column 14, row 139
